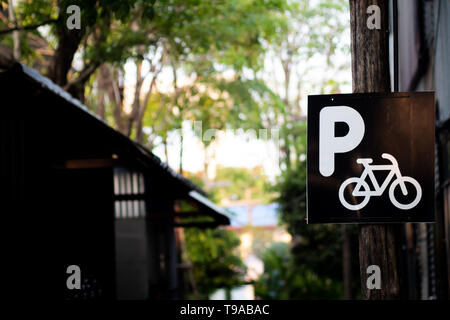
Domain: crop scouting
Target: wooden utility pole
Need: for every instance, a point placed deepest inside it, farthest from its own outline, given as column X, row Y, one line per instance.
column 378, row 244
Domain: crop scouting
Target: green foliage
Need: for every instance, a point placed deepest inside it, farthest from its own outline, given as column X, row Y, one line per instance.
column 252, row 101
column 292, row 198
column 237, row 181
column 317, row 246
column 199, row 39
column 315, row 32
column 216, row 264
column 283, row 279
column 230, row 31
column 204, row 39
column 107, row 34
column 316, row 252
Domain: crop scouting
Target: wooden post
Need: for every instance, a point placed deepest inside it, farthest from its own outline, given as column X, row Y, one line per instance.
column 378, row 244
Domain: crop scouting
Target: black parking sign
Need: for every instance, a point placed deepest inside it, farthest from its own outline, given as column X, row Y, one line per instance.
column 371, row 158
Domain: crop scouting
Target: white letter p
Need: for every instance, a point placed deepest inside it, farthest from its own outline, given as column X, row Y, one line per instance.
column 329, row 145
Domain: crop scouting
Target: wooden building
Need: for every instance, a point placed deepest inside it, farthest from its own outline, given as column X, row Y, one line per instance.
column 424, row 65
column 77, row 192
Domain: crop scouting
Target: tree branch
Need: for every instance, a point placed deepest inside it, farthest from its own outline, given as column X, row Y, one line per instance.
column 83, row 76
column 29, row 27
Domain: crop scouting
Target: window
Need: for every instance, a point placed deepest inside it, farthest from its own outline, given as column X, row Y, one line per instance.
column 129, row 192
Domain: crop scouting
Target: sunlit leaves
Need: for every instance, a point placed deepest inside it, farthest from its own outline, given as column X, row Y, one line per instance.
column 216, row 263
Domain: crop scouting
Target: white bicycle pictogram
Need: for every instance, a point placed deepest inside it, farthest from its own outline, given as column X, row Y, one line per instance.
column 394, row 171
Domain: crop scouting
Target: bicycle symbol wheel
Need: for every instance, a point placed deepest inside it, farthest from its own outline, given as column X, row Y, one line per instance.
column 405, row 180
column 364, row 187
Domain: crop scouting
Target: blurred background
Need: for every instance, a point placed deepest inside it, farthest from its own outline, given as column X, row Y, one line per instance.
column 217, row 90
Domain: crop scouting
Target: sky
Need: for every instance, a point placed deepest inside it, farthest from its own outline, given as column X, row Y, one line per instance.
column 231, row 149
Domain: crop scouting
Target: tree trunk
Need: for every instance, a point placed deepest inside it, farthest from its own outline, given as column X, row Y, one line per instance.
column 17, row 52
column 287, row 79
column 132, row 117
column 102, row 82
column 76, row 86
column 77, row 90
column 347, row 263
column 378, row 244
column 143, row 107
column 101, row 105
column 166, row 148
column 68, row 42
column 181, row 149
